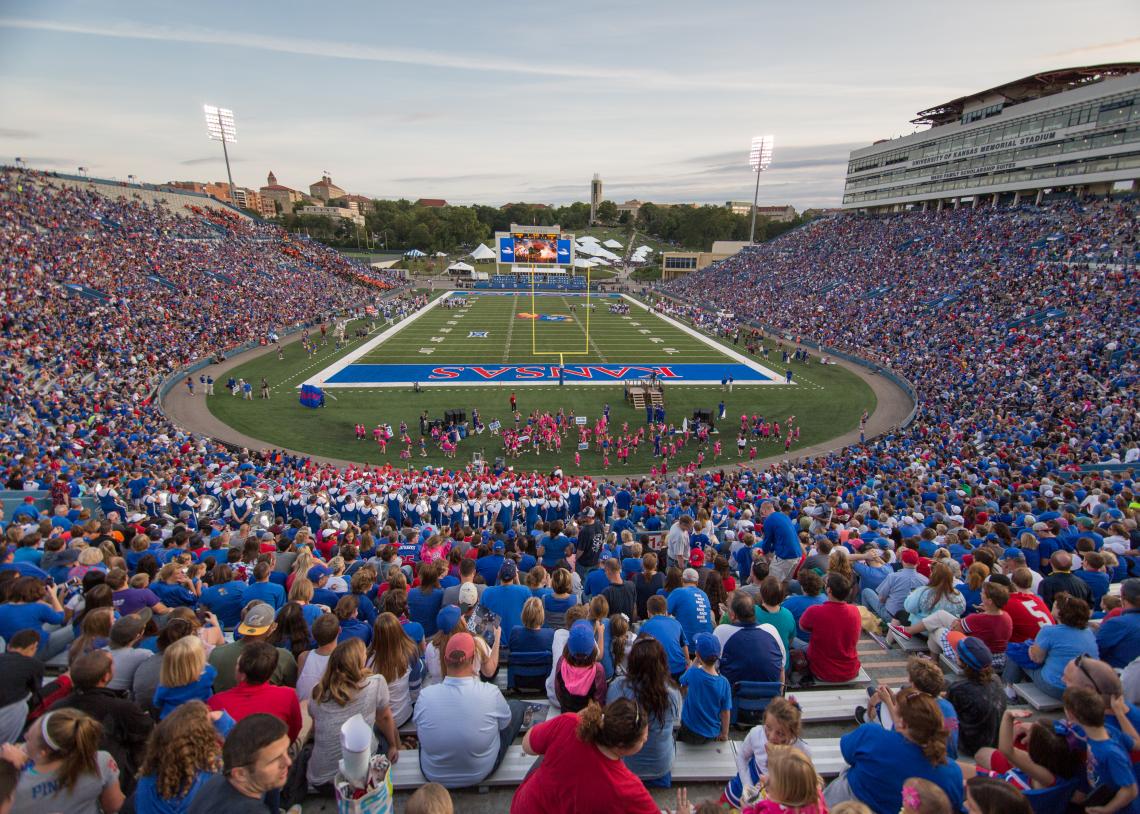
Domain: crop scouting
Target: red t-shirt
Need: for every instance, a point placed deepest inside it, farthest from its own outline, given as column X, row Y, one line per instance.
column 246, row 699
column 1029, row 614
column 993, row 629
column 835, row 628
column 575, row 776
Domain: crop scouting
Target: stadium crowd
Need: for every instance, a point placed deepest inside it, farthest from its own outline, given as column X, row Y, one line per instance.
column 227, row 613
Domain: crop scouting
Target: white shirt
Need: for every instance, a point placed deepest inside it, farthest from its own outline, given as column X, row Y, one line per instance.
column 458, row 725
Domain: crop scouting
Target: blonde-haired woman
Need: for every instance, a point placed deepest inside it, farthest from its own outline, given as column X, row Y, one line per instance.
column 68, row 772
column 346, row 689
column 184, row 676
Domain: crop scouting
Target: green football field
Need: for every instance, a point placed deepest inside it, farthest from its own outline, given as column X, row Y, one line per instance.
column 505, row 329
column 826, row 400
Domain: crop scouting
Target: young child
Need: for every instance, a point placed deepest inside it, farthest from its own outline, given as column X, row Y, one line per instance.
column 579, row 675
column 923, row 797
column 185, row 676
column 781, row 727
column 708, row 696
column 431, row 798
column 1029, row 756
column 792, row 785
column 1112, row 785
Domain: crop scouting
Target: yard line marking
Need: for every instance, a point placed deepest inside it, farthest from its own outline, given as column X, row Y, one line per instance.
column 510, row 328
column 589, row 339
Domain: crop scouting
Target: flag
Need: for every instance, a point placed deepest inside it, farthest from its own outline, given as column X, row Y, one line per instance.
column 312, row 396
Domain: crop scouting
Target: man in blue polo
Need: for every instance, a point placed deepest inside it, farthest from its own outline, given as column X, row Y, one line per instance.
column 749, row 652
column 1119, row 637
column 781, row 541
column 690, row 606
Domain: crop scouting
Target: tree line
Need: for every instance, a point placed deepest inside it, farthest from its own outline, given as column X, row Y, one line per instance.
column 401, row 225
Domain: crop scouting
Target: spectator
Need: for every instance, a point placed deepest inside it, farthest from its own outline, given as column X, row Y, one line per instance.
column 430, row 798
column 68, row 771
column 531, row 636
column 1061, row 581
column 262, row 589
column 1055, row 646
column 397, row 658
column 925, row 676
column 124, row 726
column 425, row 601
column 258, row 625
column 887, row 602
column 556, row 604
column 126, row 634
column 677, row 541
column 780, row 727
column 834, row 627
column 185, row 676
column 346, row 689
column 464, row 726
column 793, row 785
column 1102, row 679
column 507, row 598
column 29, row 605
column 1027, row 611
column 253, row 692
column 225, row 596
column 255, row 763
column 880, row 760
column 1043, row 757
column 992, row 625
column 620, row 593
column 690, row 606
column 578, row 673
column 749, row 651
column 183, row 753
column 708, row 696
column 582, row 766
column 772, row 613
column 311, row 663
column 1118, row 639
column 811, row 584
column 647, row 583
column 350, row 626
column 647, row 682
column 466, row 575
column 978, row 700
column 668, row 631
column 985, row 795
column 1109, row 769
column 23, row 678
column 938, row 598
column 781, row 542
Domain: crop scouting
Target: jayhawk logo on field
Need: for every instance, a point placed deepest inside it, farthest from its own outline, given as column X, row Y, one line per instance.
column 544, row 317
column 477, row 335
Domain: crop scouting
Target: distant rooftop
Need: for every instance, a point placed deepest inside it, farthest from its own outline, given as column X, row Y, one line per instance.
column 1026, row 89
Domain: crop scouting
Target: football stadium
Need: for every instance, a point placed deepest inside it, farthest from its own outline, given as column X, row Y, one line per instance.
column 326, row 502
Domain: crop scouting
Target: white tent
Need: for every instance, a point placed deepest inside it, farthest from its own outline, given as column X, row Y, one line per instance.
column 439, row 254
column 644, row 249
column 480, row 276
column 414, row 253
column 597, row 261
column 612, row 244
column 590, row 249
column 459, row 266
column 482, row 253
column 581, row 263
column 587, row 239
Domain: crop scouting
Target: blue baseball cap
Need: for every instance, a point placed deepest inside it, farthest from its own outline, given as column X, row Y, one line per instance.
column 447, row 618
column 581, row 641
column 499, row 546
column 708, row 646
column 1013, row 554
column 318, row 571
column 509, row 571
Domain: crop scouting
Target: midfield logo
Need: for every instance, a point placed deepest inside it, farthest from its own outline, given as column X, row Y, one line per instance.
column 477, row 335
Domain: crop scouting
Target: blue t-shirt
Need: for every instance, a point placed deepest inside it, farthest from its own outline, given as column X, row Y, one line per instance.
column 1109, row 765
column 1062, row 644
column 225, row 601
column 669, row 632
column 656, row 757
column 168, row 699
column 507, row 601
column 355, row 629
column 148, row 800
column 780, row 537
column 707, row 696
column 1098, row 583
column 174, row 595
column 270, row 593
column 524, row 640
column 489, row 567
column 869, row 576
column 797, row 604
column 881, row 760
column 423, row 607
column 1119, row 638
column 690, row 606
column 28, row 616
column 596, row 582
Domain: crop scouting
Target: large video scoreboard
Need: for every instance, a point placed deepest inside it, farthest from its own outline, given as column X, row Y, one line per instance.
column 535, row 246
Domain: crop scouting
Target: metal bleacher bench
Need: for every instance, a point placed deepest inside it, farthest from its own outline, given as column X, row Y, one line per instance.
column 711, row 762
column 1040, row 701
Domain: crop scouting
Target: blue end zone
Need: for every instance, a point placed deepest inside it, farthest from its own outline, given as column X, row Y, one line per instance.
column 544, row 374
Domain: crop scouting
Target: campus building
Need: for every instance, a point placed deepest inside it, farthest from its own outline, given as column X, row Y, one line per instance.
column 1075, row 130
column 776, row 214
column 595, row 196
column 325, row 190
column 333, row 212
column 279, row 195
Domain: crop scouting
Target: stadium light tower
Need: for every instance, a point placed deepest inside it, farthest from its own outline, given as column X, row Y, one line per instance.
column 759, row 158
column 220, row 126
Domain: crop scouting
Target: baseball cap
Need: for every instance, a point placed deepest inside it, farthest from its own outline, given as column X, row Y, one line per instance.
column 690, row 575
column 909, row 556
column 1012, row 554
column 581, row 641
column 318, row 571
column 447, row 618
column 508, row 571
column 973, row 653
column 468, row 594
column 258, row 618
column 460, row 648
column 696, row 558
column 414, row 630
column 499, row 545
column 708, row 646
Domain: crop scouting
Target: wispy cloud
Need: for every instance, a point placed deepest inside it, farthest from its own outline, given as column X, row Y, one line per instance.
column 456, row 179
column 210, row 159
column 1099, row 49
column 624, row 75
column 15, row 133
